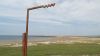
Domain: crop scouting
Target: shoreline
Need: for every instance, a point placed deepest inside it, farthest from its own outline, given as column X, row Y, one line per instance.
column 57, row 40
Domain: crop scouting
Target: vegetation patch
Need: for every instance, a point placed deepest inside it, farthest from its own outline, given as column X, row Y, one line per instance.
column 54, row 50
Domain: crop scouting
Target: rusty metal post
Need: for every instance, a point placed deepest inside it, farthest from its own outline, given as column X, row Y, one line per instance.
column 24, row 45
column 25, row 35
column 27, row 20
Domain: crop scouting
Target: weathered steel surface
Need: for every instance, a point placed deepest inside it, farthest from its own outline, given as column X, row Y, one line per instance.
column 24, row 45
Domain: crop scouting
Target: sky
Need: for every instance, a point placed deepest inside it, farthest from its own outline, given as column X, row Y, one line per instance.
column 68, row 17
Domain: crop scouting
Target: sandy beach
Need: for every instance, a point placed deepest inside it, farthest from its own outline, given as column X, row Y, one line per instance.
column 56, row 40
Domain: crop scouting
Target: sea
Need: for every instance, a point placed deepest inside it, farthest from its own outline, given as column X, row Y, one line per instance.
column 4, row 38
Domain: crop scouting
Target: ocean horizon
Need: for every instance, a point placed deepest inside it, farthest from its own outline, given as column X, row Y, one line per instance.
column 19, row 37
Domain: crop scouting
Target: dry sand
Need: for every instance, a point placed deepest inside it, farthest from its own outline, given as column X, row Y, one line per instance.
column 57, row 40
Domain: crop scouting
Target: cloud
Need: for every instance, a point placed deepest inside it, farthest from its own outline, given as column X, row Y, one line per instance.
column 67, row 13
column 69, row 10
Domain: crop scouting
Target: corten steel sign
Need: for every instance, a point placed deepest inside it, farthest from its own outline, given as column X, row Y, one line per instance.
column 25, row 35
